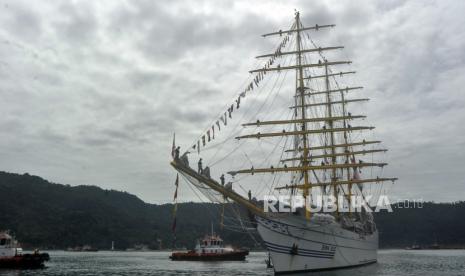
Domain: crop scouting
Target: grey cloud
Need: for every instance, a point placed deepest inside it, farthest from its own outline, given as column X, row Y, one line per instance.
column 22, row 22
column 146, row 78
column 77, row 24
column 92, row 92
column 172, row 36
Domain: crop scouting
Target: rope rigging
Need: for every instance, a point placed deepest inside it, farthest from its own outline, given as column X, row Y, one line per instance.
column 327, row 138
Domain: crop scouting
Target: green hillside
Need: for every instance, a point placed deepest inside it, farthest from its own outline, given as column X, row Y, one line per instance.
column 48, row 215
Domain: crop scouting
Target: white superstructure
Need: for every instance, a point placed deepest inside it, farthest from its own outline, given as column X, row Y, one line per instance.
column 9, row 247
column 211, row 244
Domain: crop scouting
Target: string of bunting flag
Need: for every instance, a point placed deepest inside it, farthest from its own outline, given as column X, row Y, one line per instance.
column 223, row 119
column 175, row 210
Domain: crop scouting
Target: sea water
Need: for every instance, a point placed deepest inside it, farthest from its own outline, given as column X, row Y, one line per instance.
column 390, row 263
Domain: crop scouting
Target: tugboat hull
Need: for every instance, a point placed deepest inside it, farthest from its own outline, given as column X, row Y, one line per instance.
column 192, row 256
column 24, row 261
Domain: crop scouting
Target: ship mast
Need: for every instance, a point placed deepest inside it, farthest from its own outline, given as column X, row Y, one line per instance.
column 346, row 150
column 302, row 131
column 331, row 133
column 301, row 89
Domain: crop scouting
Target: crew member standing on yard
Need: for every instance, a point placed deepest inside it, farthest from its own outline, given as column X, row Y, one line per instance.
column 250, row 195
column 200, row 166
column 222, row 179
column 176, row 152
column 185, row 159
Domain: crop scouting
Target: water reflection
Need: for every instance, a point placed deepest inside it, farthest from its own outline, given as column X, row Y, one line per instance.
column 390, row 263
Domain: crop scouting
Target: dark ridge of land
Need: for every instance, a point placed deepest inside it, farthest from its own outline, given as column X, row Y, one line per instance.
column 47, row 215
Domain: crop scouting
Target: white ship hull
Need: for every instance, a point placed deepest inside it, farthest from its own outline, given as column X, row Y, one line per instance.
column 318, row 247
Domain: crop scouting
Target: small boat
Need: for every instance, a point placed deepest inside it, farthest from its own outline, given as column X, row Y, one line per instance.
column 210, row 248
column 85, row 248
column 415, row 246
column 88, row 248
column 435, row 245
column 11, row 254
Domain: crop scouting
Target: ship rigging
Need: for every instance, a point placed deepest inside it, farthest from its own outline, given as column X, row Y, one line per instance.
column 320, row 145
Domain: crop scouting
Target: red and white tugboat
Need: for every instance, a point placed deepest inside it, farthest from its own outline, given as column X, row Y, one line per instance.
column 11, row 255
column 210, row 248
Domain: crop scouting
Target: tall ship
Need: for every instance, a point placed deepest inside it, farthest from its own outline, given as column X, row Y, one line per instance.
column 300, row 139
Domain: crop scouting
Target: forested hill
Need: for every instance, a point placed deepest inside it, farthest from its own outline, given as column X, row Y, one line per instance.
column 48, row 215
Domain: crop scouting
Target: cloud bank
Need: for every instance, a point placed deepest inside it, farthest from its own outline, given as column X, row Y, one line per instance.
column 91, row 92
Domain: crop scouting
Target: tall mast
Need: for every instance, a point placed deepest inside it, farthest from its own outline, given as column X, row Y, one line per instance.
column 301, row 89
column 346, row 151
column 332, row 149
column 330, row 124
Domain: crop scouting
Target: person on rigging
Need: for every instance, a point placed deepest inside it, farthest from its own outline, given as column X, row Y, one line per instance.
column 176, row 152
column 206, row 171
column 222, row 179
column 185, row 159
column 200, row 170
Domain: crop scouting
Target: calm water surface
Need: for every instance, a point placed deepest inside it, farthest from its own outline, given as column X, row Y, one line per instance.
column 390, row 263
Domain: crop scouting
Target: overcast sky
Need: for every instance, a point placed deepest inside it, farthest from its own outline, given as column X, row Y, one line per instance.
column 92, row 91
